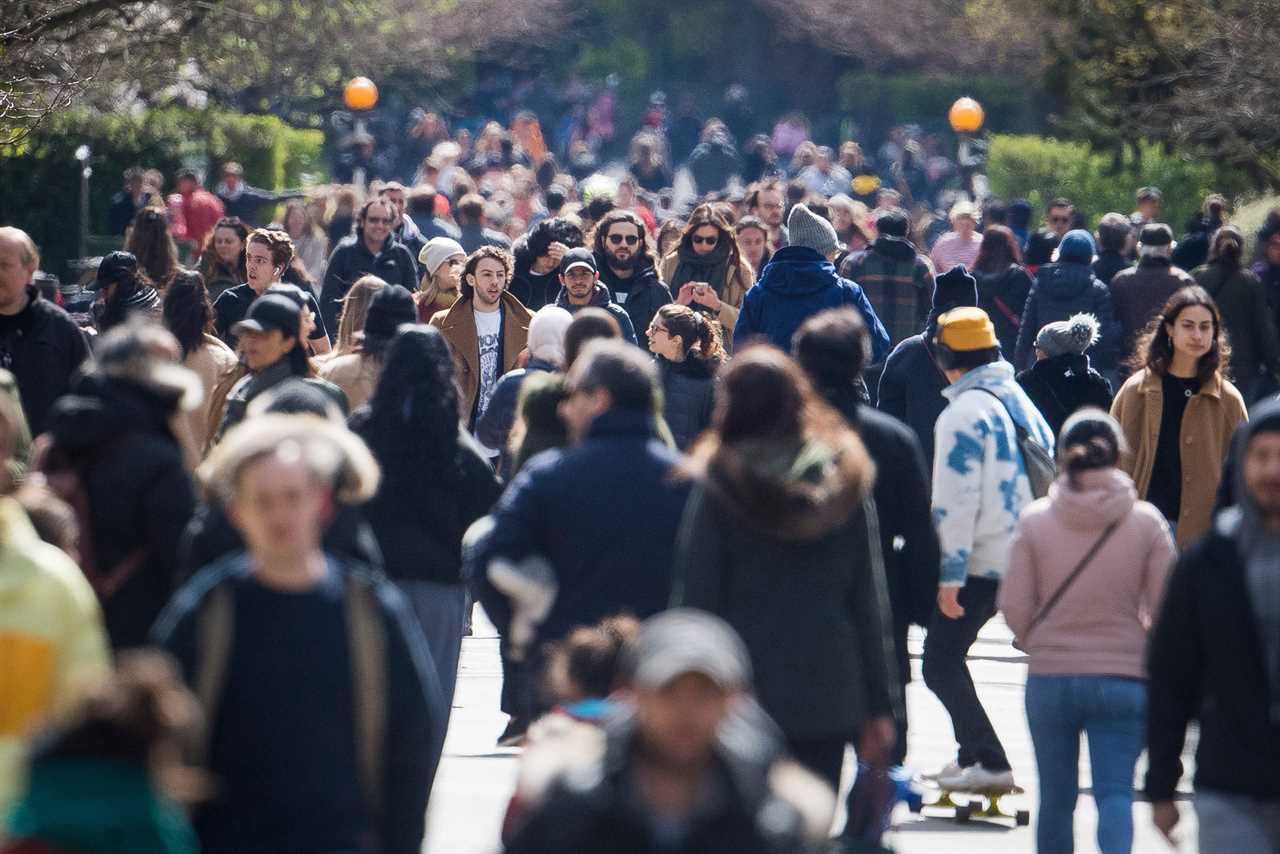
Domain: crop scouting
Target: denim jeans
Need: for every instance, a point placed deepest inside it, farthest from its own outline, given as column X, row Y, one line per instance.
column 1111, row 711
column 946, row 673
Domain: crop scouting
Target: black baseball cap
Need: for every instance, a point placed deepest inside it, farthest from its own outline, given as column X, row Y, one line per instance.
column 577, row 258
column 115, row 268
column 271, row 311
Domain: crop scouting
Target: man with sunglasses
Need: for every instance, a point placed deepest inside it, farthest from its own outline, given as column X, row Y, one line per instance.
column 372, row 250
column 628, row 269
column 1040, row 246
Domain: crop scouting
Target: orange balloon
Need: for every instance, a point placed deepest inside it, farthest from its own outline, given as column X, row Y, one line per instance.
column 360, row 94
column 966, row 116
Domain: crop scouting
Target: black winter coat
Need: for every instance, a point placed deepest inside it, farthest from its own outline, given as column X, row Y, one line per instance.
column 1207, row 662
column 115, row 433
column 645, row 294
column 688, row 392
column 493, row 428
column 350, row 260
column 534, row 290
column 43, row 348
column 1063, row 290
column 911, row 390
column 1003, row 296
column 421, row 540
column 1061, row 385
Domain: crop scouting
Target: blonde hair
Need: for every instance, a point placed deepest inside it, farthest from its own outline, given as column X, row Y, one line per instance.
column 355, row 308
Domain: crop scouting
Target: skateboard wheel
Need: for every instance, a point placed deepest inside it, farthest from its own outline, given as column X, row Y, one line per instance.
column 963, row 813
column 1022, row 818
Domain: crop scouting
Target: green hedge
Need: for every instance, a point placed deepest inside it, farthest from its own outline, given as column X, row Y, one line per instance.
column 40, row 183
column 1039, row 169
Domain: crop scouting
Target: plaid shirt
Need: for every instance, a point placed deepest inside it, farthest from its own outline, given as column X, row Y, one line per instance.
column 900, row 290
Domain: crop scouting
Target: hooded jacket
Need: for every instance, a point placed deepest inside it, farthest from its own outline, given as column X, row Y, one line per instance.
column 980, row 483
column 1139, row 293
column 52, row 643
column 600, row 299
column 459, row 327
column 897, row 280
column 1099, row 626
column 797, row 284
column 352, row 259
column 534, row 290
column 781, row 540
column 1063, row 384
column 114, row 432
column 645, row 294
column 1209, row 659
column 1060, row 291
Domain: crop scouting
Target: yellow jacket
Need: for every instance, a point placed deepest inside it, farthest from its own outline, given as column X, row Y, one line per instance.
column 52, row 643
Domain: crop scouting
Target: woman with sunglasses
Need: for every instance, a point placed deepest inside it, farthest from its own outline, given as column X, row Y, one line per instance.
column 706, row 271
column 686, row 347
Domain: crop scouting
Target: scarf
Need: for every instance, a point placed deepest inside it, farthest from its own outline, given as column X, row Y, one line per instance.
column 712, row 268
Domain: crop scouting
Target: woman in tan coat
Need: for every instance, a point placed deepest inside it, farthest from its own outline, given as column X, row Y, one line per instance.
column 1179, row 411
column 189, row 316
column 706, row 272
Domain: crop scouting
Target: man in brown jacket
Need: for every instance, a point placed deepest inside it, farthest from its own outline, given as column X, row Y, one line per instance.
column 486, row 328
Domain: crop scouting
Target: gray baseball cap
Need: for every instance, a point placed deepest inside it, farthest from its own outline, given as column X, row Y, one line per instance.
column 686, row 640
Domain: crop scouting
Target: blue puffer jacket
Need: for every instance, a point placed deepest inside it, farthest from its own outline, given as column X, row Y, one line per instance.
column 797, row 284
column 1063, row 290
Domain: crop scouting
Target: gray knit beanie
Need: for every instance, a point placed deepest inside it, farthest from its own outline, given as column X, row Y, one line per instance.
column 806, row 228
column 1073, row 335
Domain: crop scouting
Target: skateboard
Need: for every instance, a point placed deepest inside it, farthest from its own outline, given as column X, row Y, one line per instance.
column 981, row 804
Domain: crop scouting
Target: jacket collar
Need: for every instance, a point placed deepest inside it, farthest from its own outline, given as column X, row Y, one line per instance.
column 992, row 376
column 622, row 423
column 1153, row 382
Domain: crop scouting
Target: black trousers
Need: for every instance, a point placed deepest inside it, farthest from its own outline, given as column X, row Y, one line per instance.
column 946, row 673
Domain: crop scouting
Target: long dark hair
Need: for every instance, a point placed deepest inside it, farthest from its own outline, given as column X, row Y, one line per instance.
column 612, row 218
column 699, row 336
column 153, row 245
column 999, row 249
column 187, row 312
column 709, row 214
column 1154, row 349
column 414, row 417
column 1227, row 248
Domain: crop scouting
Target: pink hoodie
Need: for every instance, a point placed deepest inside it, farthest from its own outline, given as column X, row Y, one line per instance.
column 1099, row 627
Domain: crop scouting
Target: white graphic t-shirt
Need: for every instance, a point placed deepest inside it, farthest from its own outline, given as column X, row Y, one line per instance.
column 488, row 328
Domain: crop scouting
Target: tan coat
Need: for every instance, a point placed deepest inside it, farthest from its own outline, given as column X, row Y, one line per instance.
column 1208, row 424
column 211, row 362
column 458, row 324
column 736, row 286
column 355, row 373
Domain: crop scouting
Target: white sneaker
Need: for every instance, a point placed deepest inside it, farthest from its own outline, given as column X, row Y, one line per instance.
column 975, row 778
column 952, row 768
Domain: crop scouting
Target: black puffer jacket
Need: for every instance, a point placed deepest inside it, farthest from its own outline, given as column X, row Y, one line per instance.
column 350, row 260
column 688, row 391
column 645, row 294
column 115, row 434
column 1063, row 290
column 43, row 347
column 1064, row 384
column 1003, row 296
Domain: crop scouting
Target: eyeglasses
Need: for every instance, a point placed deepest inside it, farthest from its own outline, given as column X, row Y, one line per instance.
column 619, row 239
column 698, row 240
column 655, row 328
column 378, row 220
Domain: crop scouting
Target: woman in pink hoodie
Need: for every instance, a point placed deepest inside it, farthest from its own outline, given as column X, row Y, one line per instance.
column 1086, row 571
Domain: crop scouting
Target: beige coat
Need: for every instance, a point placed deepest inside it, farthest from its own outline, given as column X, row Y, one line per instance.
column 355, row 373
column 211, row 362
column 735, row 288
column 459, row 327
column 1208, row 424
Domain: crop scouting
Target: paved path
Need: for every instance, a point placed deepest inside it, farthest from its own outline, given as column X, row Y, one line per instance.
column 476, row 779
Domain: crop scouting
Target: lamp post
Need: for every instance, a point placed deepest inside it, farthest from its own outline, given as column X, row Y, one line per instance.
column 966, row 116
column 82, row 155
column 360, row 95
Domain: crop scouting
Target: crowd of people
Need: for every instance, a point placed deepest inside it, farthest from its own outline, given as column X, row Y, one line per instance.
column 702, row 468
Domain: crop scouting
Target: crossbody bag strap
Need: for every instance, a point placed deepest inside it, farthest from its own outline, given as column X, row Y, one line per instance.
column 1075, row 573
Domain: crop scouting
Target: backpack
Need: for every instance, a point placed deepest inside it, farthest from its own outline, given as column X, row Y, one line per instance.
column 1038, row 462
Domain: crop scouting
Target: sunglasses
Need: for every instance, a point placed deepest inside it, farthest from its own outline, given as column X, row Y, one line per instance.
column 378, row 220
column 705, row 241
column 619, row 239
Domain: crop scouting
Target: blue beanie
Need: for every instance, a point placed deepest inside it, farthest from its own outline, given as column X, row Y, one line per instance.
column 1076, row 248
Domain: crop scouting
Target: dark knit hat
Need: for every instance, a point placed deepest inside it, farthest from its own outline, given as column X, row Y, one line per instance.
column 954, row 288
column 1076, row 247
column 806, row 228
column 1073, row 335
column 390, row 308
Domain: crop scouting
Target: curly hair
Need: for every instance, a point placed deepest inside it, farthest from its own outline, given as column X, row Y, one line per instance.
column 1154, row 349
column 500, row 255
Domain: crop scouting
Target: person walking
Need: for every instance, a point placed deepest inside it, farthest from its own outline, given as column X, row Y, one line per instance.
column 372, row 249
column 783, row 482
column 580, row 288
column 1213, row 659
column 628, row 268
column 440, row 262
column 980, row 487
column 122, row 291
column 686, row 347
column 188, row 316
column 222, row 260
column 1139, row 292
column 1255, row 342
column 706, row 271
column 1003, row 284
column 357, row 374
column 268, row 255
column 1062, row 380
column 1178, row 411
column 961, row 245
column 1087, row 570
column 435, row 483
column 895, row 276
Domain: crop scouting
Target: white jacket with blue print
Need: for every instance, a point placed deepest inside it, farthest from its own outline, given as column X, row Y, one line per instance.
column 980, row 483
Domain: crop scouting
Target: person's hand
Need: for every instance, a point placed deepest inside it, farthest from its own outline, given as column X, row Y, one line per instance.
column 1164, row 815
column 949, row 602
column 557, row 251
column 706, row 295
column 685, row 297
column 875, row 745
column 522, row 361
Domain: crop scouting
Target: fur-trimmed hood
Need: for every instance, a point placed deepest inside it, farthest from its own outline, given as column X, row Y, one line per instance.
column 800, row 489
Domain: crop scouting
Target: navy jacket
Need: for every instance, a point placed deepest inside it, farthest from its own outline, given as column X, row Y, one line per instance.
column 600, row 299
column 911, row 390
column 1063, row 290
column 604, row 514
column 797, row 284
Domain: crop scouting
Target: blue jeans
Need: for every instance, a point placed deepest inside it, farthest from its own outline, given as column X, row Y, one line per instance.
column 1111, row 710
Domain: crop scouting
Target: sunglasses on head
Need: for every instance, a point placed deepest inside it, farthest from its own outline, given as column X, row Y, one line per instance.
column 705, row 241
column 619, row 239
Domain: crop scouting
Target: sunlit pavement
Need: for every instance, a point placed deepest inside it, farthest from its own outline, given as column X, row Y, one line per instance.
column 476, row 778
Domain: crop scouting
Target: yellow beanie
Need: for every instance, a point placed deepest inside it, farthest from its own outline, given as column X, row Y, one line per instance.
column 966, row 328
